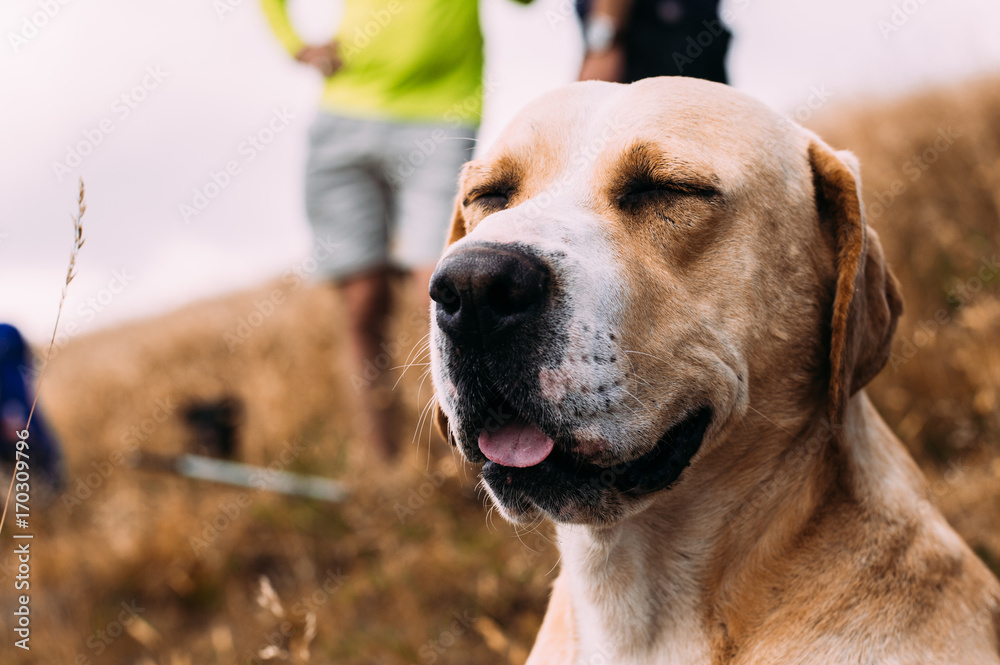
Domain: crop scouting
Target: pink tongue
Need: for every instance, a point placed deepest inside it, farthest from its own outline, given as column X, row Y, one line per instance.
column 519, row 445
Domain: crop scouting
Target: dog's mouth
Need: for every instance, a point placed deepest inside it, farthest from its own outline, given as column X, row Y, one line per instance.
column 525, row 468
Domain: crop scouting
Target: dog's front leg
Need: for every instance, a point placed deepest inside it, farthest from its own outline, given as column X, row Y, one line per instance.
column 556, row 641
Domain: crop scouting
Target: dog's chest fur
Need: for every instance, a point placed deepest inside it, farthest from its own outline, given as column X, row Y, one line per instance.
column 621, row 616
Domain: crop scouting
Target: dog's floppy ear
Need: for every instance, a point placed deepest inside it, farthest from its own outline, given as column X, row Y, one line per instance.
column 455, row 233
column 457, row 229
column 867, row 303
column 441, row 423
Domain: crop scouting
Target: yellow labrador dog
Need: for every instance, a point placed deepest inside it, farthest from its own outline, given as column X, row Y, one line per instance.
column 652, row 326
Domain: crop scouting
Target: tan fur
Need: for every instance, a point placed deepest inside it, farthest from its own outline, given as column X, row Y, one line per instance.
column 802, row 532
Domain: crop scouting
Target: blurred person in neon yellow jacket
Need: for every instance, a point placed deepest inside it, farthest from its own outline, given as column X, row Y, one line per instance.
column 398, row 115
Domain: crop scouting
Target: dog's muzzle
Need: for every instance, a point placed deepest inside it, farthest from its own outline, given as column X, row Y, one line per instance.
column 502, row 317
column 495, row 305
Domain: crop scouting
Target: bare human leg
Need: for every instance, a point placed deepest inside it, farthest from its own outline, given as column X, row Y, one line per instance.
column 367, row 299
column 421, row 281
column 367, row 302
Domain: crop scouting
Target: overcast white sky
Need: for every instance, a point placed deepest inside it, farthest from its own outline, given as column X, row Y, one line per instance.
column 206, row 82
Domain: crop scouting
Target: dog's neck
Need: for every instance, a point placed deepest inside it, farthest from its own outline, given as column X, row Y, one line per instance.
column 682, row 578
column 639, row 599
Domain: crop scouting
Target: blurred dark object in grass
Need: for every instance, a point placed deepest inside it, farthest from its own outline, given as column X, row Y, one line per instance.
column 215, row 426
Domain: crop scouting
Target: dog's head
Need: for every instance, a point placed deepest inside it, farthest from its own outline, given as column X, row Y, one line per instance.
column 635, row 271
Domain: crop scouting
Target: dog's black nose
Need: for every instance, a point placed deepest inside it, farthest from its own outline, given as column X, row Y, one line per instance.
column 485, row 290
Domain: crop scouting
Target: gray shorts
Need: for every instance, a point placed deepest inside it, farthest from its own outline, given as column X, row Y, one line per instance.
column 381, row 193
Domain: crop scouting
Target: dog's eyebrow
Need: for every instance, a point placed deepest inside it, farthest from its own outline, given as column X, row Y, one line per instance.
column 501, row 175
column 648, row 163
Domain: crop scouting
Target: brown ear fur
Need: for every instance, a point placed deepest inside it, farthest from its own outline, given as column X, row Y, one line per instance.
column 441, row 423
column 457, row 229
column 867, row 303
column 455, row 233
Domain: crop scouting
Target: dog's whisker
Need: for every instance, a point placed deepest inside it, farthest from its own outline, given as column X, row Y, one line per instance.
column 420, row 388
column 458, row 463
column 635, row 375
column 416, row 355
column 423, row 411
column 555, row 565
column 637, row 400
column 642, row 353
column 418, row 350
column 423, row 379
column 517, row 534
column 423, row 342
column 490, row 507
column 430, row 435
column 416, row 432
column 645, row 382
column 420, row 419
column 408, row 366
column 784, row 429
column 538, row 522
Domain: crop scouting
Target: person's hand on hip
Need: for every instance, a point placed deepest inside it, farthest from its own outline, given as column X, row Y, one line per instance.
column 324, row 58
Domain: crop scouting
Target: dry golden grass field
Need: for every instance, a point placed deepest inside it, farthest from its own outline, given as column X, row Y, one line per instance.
column 133, row 566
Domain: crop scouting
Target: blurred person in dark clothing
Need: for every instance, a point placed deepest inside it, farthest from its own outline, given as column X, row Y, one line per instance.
column 43, row 454
column 627, row 40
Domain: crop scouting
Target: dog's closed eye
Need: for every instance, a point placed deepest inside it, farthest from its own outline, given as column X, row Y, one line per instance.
column 641, row 193
column 646, row 179
column 489, row 199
